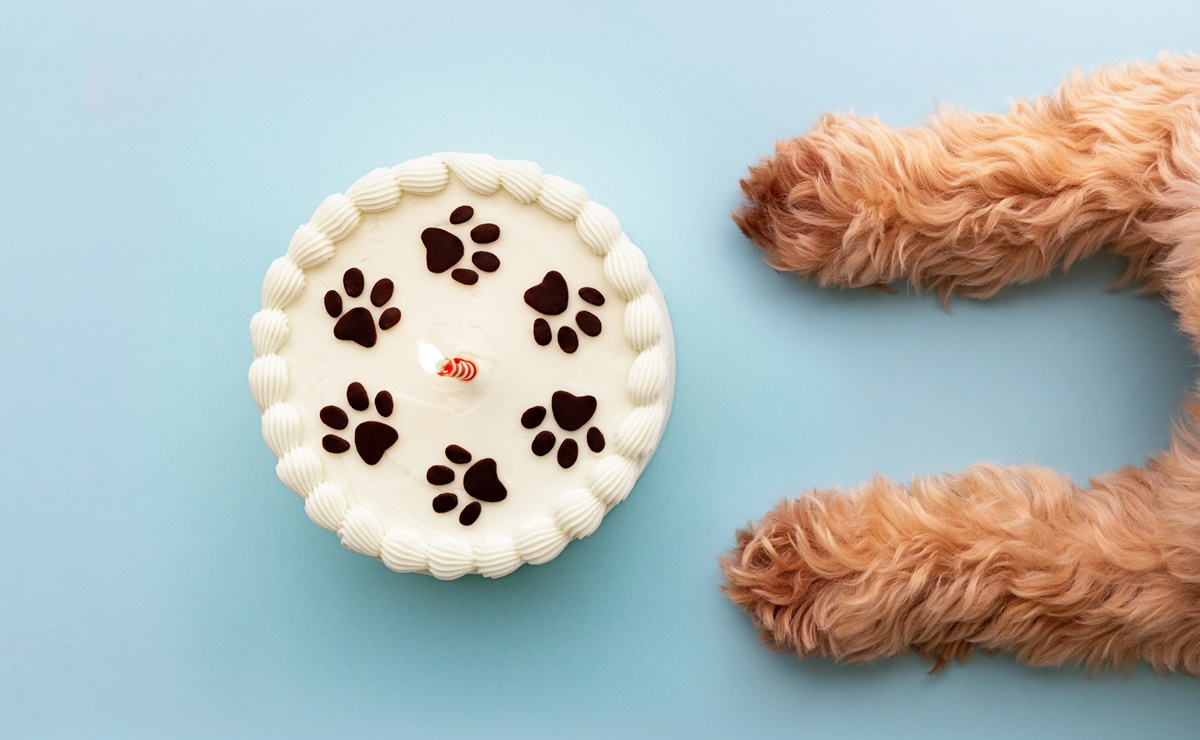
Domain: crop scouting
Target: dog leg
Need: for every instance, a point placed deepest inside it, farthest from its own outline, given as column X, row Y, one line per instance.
column 997, row 559
column 973, row 202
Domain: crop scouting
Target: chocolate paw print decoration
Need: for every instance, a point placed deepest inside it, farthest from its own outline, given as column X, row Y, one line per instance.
column 480, row 481
column 371, row 438
column 551, row 298
column 358, row 324
column 444, row 250
column 570, row 413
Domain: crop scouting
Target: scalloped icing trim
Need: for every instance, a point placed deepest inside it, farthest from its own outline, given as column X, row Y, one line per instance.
column 579, row 511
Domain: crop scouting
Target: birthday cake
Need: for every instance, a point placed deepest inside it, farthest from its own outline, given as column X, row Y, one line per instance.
column 462, row 364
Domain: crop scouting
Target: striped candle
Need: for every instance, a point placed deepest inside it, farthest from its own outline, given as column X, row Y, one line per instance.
column 457, row 367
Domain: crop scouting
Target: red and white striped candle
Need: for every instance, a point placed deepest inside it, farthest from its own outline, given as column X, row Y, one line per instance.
column 457, row 367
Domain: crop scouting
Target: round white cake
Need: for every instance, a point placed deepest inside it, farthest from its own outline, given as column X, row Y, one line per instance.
column 462, row 364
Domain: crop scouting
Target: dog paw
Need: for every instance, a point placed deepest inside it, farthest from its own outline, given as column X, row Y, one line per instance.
column 570, row 413
column 371, row 438
column 551, row 297
column 358, row 324
column 480, row 481
column 444, row 250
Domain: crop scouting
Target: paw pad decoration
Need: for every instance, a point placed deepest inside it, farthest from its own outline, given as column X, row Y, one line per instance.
column 371, row 438
column 444, row 250
column 480, row 481
column 361, row 407
column 358, row 324
column 550, row 298
column 570, row 413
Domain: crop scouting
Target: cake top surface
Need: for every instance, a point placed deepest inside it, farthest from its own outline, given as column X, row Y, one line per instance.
column 462, row 364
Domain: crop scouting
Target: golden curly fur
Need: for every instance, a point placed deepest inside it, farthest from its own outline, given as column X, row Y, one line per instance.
column 1014, row 559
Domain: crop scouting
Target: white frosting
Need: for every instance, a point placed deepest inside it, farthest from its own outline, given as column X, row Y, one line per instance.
column 540, row 540
column 375, row 191
column 639, row 432
column 404, row 551
column 281, row 428
column 310, row 247
column 497, row 556
column 423, row 176
column 612, row 479
column 625, row 267
column 648, row 375
column 562, row 198
column 268, row 331
column 384, row 510
column 268, row 380
column 283, row 283
column 361, row 531
column 327, row 506
column 450, row 557
column 643, row 322
column 598, row 227
column 300, row 470
column 579, row 513
column 336, row 217
column 521, row 179
column 479, row 172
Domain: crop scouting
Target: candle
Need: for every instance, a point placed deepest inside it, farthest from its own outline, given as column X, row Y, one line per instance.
column 457, row 367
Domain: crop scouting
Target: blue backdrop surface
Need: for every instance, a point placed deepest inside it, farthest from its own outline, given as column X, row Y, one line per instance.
column 158, row 580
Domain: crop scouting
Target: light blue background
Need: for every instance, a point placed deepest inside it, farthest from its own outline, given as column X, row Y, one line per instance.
column 156, row 579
